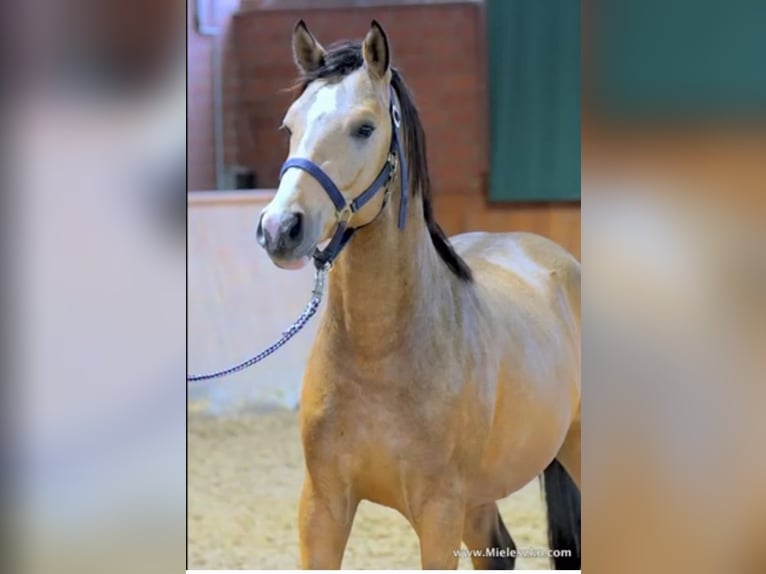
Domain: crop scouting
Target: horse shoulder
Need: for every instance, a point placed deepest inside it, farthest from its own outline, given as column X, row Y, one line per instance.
column 317, row 402
column 530, row 295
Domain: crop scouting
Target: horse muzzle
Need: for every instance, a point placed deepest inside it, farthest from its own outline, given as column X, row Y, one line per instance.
column 282, row 234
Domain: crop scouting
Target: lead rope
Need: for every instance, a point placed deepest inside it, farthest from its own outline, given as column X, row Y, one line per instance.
column 320, row 278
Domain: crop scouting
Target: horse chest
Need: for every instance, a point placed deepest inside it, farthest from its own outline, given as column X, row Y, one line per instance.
column 381, row 438
column 382, row 454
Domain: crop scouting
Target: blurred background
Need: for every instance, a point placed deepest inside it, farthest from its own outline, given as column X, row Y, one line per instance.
column 497, row 85
column 94, row 168
column 674, row 286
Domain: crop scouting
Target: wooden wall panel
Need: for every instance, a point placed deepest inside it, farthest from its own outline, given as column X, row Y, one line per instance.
column 458, row 213
column 239, row 303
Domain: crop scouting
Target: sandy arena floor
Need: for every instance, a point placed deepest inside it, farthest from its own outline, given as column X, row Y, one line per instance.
column 245, row 474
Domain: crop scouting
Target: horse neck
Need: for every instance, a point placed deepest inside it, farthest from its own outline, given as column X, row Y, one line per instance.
column 386, row 281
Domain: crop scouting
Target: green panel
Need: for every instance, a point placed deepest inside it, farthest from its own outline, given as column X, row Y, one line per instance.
column 681, row 59
column 534, row 85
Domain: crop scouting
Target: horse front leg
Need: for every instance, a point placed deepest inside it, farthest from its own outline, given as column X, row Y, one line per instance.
column 324, row 524
column 484, row 529
column 439, row 526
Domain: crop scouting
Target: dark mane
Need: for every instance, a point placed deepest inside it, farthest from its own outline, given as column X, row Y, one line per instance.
column 342, row 59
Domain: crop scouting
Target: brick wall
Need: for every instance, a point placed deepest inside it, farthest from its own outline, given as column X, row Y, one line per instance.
column 201, row 150
column 438, row 47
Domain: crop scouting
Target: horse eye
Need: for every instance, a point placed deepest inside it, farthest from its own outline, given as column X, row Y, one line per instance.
column 364, row 131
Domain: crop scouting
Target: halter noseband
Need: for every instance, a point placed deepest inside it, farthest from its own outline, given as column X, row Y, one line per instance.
column 344, row 210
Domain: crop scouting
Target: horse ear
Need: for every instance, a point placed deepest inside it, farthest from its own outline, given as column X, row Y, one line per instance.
column 377, row 55
column 308, row 54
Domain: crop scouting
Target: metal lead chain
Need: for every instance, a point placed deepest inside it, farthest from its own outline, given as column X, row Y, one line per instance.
column 317, row 292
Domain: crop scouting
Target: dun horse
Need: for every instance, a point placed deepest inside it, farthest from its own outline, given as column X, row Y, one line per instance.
column 445, row 375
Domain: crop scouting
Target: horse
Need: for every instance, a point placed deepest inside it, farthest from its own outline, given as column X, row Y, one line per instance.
column 445, row 374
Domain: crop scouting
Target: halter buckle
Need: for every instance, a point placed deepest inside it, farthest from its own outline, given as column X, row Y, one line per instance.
column 395, row 115
column 344, row 215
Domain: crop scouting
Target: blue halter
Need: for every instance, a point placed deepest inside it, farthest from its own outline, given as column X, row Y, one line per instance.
column 344, row 210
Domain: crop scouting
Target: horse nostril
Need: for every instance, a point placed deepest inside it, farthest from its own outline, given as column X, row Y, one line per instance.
column 280, row 232
column 260, row 234
column 295, row 229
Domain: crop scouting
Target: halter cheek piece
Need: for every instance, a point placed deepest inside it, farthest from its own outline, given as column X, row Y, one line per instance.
column 343, row 210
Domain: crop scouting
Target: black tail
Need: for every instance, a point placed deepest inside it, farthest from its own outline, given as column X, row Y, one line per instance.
column 563, row 500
